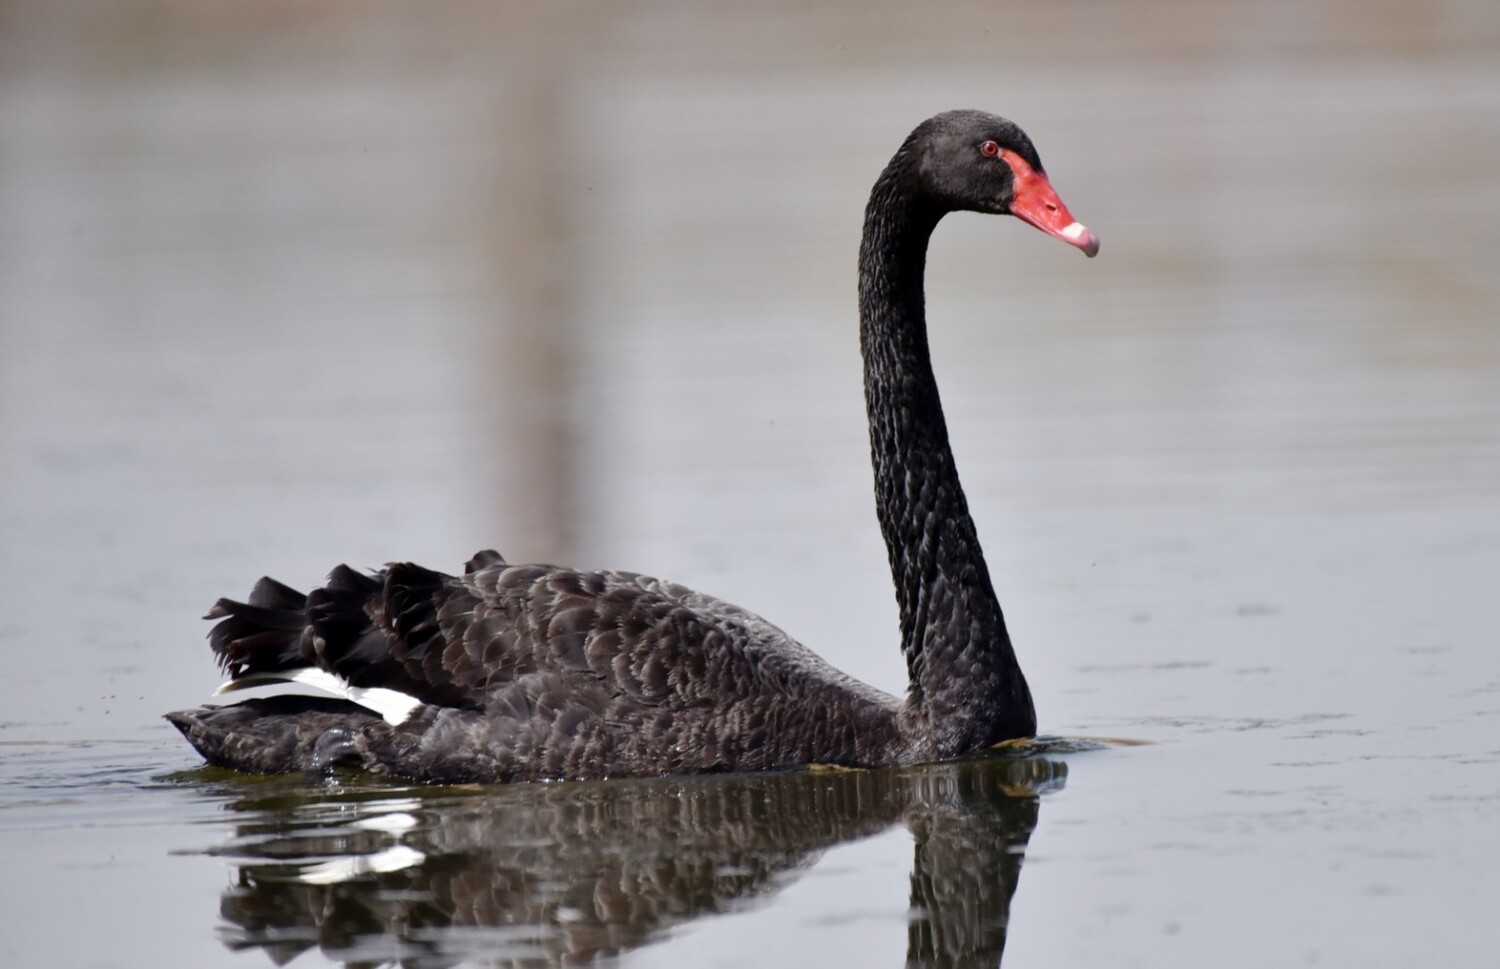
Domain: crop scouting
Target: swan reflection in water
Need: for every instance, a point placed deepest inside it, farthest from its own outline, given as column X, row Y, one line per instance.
column 544, row 875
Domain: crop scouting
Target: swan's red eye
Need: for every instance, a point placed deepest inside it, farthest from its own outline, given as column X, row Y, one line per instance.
column 990, row 149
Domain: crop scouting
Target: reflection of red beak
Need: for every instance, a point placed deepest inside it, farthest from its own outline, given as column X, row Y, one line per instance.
column 1037, row 203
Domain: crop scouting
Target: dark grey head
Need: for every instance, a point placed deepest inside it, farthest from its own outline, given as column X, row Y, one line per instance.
column 978, row 162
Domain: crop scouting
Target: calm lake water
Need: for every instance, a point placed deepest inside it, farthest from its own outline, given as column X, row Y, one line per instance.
column 288, row 285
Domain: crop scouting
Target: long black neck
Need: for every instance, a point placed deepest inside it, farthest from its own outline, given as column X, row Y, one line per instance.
column 966, row 689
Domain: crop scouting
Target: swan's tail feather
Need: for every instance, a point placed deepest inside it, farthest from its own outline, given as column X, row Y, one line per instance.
column 270, row 594
column 411, row 606
column 267, row 633
column 388, row 630
column 374, row 640
column 348, row 640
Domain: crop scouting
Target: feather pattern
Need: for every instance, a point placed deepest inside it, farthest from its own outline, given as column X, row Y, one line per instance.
column 538, row 672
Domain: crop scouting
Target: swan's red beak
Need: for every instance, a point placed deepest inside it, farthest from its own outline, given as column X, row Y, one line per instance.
column 1037, row 203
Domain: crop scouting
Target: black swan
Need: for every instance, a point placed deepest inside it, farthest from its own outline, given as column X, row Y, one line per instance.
column 535, row 672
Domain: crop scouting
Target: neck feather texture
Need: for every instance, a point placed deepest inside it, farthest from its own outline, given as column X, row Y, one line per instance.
column 966, row 691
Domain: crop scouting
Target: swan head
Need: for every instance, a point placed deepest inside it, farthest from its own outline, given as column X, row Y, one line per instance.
column 977, row 162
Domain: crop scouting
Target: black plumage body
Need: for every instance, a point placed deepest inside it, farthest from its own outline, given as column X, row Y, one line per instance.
column 530, row 672
column 536, row 672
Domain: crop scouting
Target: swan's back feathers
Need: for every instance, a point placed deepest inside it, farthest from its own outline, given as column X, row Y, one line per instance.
column 511, row 672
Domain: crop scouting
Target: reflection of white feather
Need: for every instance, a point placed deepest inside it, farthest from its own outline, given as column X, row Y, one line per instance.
column 394, row 823
column 392, row 705
column 346, row 869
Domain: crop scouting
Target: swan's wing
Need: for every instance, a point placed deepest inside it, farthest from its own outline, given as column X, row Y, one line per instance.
column 634, row 636
column 460, row 641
